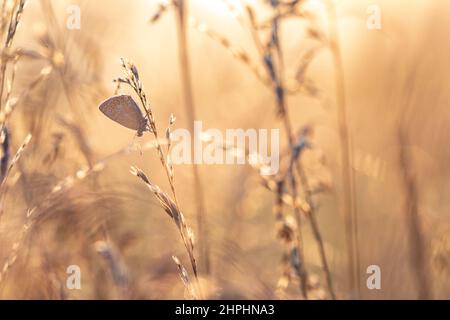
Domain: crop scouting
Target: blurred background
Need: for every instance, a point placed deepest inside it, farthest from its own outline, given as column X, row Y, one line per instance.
column 71, row 200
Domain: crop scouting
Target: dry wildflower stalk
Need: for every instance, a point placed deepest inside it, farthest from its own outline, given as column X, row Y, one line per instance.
column 10, row 19
column 114, row 262
column 237, row 52
column 286, row 233
column 184, row 276
column 349, row 194
column 35, row 213
column 14, row 160
column 11, row 101
column 171, row 207
column 11, row 14
column 64, row 185
column 418, row 251
column 58, row 189
column 181, row 7
column 202, row 224
column 292, row 86
column 272, row 57
column 132, row 79
column 297, row 260
column 268, row 52
column 16, row 15
column 3, row 184
column 271, row 54
column 287, row 227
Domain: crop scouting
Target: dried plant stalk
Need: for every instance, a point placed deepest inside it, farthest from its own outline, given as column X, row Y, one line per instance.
column 35, row 213
column 171, row 207
column 349, row 196
column 16, row 15
column 417, row 249
column 186, row 82
column 273, row 57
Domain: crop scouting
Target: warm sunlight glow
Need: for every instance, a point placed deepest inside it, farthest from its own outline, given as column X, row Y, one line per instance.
column 224, row 149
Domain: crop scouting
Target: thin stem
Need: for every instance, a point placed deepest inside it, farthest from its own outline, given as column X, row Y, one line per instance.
column 316, row 230
column 298, row 216
column 282, row 108
column 182, row 6
column 303, row 179
column 416, row 238
column 154, row 129
column 348, row 205
column 133, row 80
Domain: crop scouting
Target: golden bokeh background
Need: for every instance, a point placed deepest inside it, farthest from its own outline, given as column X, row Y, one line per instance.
column 395, row 78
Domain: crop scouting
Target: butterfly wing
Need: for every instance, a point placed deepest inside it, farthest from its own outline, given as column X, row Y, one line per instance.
column 123, row 110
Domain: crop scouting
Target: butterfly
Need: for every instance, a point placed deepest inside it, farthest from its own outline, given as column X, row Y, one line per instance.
column 125, row 111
